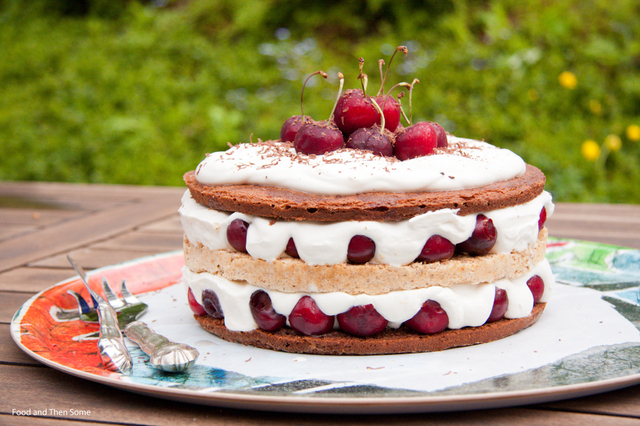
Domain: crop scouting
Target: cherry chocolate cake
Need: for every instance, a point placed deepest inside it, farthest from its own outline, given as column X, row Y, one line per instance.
column 359, row 235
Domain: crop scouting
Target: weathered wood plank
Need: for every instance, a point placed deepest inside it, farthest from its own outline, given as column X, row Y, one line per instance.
column 85, row 230
column 170, row 225
column 32, row 279
column 15, row 420
column 142, row 241
column 62, row 392
column 11, row 302
column 91, row 258
column 624, row 402
column 11, row 353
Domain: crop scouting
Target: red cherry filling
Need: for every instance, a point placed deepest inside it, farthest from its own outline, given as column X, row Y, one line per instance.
column 361, row 249
column 318, row 138
column 291, row 249
column 500, row 305
column 542, row 219
column 415, row 141
column 237, row 234
column 196, row 308
column 263, row 313
column 430, row 319
column 211, row 304
column 354, row 111
column 371, row 139
column 482, row 239
column 436, row 248
column 291, row 126
column 536, row 285
column 308, row 319
column 362, row 321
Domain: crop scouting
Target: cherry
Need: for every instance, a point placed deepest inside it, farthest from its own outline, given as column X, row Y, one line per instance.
column 263, row 313
column 355, row 110
column 500, row 305
column 414, row 141
column 211, row 304
column 291, row 249
column 376, row 139
column 237, row 234
column 390, row 111
column 361, row 249
column 362, row 321
column 371, row 139
column 196, row 308
column 441, row 137
column 542, row 219
column 308, row 319
column 318, row 138
column 436, row 248
column 536, row 285
column 430, row 319
column 292, row 124
column 482, row 239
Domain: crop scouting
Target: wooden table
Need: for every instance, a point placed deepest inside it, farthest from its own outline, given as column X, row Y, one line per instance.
column 100, row 225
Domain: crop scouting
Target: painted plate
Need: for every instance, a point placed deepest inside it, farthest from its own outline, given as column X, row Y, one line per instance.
column 586, row 342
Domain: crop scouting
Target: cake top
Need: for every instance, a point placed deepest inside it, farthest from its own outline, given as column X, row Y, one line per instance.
column 463, row 164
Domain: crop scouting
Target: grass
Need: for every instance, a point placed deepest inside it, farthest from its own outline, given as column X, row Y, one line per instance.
column 137, row 94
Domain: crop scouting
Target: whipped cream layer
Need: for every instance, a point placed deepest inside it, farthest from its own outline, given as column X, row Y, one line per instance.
column 466, row 305
column 326, row 243
column 465, row 164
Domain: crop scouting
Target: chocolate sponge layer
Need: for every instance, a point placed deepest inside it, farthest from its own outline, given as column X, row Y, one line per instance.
column 286, row 204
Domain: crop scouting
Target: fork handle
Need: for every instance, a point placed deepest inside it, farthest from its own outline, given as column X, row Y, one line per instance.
column 113, row 352
column 164, row 354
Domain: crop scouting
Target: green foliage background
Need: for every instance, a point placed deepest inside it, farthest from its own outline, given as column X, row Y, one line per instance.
column 136, row 93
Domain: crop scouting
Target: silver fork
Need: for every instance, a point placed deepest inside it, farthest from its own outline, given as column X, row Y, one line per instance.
column 163, row 353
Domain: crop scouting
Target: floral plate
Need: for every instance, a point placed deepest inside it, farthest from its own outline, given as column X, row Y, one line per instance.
column 586, row 342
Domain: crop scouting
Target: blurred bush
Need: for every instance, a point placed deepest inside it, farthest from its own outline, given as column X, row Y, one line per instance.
column 136, row 92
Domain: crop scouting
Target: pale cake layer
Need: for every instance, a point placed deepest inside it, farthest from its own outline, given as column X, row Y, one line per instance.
column 293, row 275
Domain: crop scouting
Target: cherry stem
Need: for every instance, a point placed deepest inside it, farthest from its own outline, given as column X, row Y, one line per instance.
column 380, row 65
column 341, row 77
column 362, row 77
column 377, row 107
column 402, row 49
column 403, row 84
column 415, row 80
column 323, row 74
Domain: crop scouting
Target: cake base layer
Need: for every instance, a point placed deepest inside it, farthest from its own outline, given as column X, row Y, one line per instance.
column 293, row 275
column 390, row 341
column 286, row 204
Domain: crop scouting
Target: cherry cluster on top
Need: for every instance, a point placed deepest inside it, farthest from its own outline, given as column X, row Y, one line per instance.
column 359, row 121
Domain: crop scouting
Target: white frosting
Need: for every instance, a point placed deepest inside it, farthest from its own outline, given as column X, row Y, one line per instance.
column 341, row 172
column 466, row 305
column 397, row 243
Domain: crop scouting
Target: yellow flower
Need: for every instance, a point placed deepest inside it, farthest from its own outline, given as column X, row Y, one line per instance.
column 633, row 132
column 590, row 150
column 568, row 79
column 595, row 106
column 613, row 142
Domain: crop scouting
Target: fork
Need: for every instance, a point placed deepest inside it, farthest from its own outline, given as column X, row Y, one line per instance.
column 163, row 353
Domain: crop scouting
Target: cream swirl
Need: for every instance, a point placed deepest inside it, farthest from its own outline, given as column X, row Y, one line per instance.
column 466, row 164
column 466, row 305
column 326, row 243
